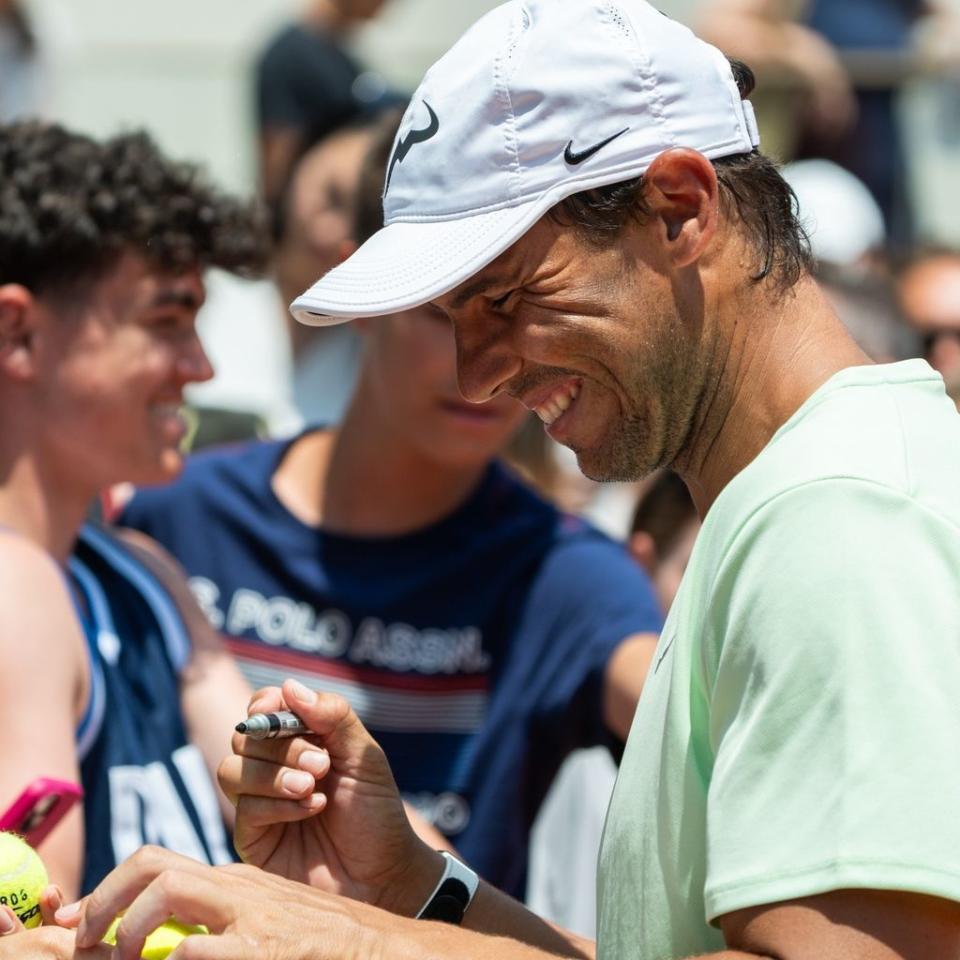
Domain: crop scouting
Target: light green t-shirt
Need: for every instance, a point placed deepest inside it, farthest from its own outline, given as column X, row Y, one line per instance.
column 799, row 730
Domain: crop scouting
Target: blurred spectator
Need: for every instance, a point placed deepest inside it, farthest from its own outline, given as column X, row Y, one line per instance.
column 929, row 290
column 22, row 68
column 307, row 85
column 273, row 375
column 663, row 532
column 801, row 78
column 313, row 223
column 826, row 49
column 847, row 239
column 841, row 218
column 872, row 148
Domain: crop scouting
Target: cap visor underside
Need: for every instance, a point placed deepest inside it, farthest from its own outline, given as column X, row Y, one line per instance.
column 407, row 264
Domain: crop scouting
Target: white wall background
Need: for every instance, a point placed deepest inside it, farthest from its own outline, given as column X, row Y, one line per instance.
column 182, row 67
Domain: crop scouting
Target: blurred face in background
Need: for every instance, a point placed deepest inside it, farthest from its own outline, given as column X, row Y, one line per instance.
column 409, row 373
column 930, row 298
column 319, row 211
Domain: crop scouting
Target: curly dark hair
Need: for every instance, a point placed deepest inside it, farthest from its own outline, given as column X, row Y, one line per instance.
column 71, row 206
column 750, row 186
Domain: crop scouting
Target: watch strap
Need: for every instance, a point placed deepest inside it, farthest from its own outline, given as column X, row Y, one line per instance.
column 452, row 894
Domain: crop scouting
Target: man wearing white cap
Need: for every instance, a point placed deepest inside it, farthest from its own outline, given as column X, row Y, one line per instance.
column 576, row 187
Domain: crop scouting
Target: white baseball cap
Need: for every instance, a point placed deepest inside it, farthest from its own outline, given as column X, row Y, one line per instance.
column 540, row 99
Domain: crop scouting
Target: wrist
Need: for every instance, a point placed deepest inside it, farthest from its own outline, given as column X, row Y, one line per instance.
column 410, row 888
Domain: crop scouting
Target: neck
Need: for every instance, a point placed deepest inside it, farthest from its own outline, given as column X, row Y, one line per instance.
column 779, row 351
column 363, row 481
column 38, row 504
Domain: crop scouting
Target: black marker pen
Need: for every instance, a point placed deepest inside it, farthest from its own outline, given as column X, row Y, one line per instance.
column 269, row 726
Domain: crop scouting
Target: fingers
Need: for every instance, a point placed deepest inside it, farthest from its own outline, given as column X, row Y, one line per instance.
column 243, row 776
column 121, row 887
column 227, row 947
column 344, row 736
column 190, row 896
column 266, row 700
column 9, row 922
column 261, row 812
column 51, row 900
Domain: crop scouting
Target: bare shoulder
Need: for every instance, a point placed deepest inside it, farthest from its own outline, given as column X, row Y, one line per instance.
column 40, row 631
column 33, row 586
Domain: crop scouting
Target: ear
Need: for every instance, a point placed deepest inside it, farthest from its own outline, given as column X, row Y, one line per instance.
column 643, row 550
column 683, row 193
column 18, row 316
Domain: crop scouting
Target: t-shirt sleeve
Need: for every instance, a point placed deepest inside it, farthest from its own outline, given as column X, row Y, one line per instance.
column 834, row 700
column 588, row 596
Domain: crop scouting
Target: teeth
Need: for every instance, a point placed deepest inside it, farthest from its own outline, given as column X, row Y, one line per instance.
column 552, row 408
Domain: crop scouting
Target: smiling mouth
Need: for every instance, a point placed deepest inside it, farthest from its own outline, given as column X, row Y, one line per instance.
column 557, row 403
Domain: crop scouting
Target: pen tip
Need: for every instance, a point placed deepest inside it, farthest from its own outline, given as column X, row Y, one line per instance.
column 241, row 727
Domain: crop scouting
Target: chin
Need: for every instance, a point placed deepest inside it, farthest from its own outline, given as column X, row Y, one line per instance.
column 617, row 462
column 158, row 471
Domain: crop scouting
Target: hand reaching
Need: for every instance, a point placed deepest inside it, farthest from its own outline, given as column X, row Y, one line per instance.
column 250, row 914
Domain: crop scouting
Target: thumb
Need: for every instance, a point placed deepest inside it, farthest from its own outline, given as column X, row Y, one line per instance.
column 331, row 717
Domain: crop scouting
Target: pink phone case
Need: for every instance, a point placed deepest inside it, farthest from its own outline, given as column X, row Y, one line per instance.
column 41, row 806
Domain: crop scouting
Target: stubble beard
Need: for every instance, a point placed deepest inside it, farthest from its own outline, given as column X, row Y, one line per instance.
column 640, row 443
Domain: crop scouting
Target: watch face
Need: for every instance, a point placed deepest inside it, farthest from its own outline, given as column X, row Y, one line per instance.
column 449, row 903
column 452, row 897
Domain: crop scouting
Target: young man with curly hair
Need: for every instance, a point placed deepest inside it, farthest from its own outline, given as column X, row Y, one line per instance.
column 107, row 666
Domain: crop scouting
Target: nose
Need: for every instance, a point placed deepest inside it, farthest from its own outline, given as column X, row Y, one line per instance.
column 486, row 361
column 193, row 365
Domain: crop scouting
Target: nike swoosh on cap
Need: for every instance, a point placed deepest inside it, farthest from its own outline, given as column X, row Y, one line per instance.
column 574, row 157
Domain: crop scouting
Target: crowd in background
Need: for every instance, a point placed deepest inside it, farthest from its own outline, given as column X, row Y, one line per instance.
column 830, row 105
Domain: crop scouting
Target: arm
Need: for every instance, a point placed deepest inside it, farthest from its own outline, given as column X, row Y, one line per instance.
column 623, row 681
column 213, row 692
column 43, row 654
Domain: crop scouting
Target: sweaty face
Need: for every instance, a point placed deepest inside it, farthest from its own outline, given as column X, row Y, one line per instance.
column 590, row 339
column 113, row 370
column 410, row 372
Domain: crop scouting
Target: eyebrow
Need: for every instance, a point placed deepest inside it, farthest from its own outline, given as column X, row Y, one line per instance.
column 476, row 288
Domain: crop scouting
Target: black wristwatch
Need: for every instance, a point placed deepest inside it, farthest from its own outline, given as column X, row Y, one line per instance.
column 453, row 894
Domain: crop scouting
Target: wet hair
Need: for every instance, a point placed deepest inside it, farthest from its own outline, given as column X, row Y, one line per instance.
column 71, row 206
column 750, row 187
column 663, row 511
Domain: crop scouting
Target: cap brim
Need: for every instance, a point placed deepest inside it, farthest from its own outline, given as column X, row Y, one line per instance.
column 408, row 264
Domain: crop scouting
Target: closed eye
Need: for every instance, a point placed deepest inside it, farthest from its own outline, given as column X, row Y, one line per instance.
column 501, row 302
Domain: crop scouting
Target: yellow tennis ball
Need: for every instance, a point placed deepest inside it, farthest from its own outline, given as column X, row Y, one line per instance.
column 163, row 941
column 22, row 879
